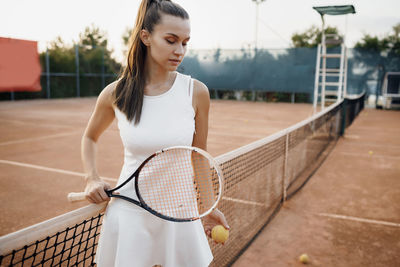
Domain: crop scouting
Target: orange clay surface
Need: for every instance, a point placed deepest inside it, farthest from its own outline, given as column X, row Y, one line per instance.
column 40, row 149
column 348, row 214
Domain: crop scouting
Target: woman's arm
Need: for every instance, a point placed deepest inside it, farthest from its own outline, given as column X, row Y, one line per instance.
column 100, row 120
column 201, row 105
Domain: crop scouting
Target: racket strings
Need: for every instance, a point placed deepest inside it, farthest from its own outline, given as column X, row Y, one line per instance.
column 179, row 183
column 203, row 179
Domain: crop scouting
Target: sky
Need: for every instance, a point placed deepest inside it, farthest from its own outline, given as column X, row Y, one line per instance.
column 225, row 24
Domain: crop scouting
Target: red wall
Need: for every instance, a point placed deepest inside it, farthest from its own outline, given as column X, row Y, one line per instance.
column 19, row 65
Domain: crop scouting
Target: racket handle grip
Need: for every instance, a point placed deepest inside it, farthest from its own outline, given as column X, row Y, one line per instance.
column 74, row 197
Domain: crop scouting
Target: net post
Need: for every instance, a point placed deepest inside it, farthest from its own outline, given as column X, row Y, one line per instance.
column 48, row 73
column 284, row 184
column 103, row 81
column 343, row 117
column 78, row 88
column 216, row 93
column 253, row 95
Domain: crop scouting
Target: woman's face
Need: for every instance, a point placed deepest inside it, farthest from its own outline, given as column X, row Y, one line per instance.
column 167, row 44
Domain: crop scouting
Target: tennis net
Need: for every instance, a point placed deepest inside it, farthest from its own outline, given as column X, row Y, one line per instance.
column 258, row 178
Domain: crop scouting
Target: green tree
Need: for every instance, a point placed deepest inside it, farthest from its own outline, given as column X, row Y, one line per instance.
column 127, row 35
column 94, row 59
column 369, row 42
column 94, row 55
column 126, row 39
column 62, row 56
column 390, row 43
column 93, row 36
column 311, row 37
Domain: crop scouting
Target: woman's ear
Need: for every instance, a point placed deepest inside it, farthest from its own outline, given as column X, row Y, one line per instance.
column 145, row 37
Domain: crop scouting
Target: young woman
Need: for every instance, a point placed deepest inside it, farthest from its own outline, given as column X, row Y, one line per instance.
column 155, row 107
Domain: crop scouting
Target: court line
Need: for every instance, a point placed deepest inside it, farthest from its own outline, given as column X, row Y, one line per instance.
column 351, row 136
column 39, row 138
column 369, row 144
column 40, row 124
column 356, row 219
column 52, row 125
column 367, row 156
column 243, row 201
column 27, row 165
column 371, row 129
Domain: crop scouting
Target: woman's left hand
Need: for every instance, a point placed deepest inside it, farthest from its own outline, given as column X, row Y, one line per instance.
column 215, row 218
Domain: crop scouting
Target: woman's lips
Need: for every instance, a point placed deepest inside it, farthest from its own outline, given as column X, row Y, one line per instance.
column 175, row 61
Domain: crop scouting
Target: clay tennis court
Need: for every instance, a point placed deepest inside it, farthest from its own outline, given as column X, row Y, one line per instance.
column 348, row 214
column 345, row 216
column 40, row 149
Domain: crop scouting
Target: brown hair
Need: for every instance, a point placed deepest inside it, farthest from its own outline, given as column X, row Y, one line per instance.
column 129, row 91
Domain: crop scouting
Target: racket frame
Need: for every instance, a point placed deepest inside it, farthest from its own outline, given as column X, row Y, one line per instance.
column 141, row 203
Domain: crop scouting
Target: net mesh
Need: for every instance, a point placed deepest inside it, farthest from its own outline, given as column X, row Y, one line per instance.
column 258, row 177
column 74, row 246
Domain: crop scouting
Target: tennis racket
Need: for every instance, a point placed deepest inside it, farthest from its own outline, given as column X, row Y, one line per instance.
column 178, row 184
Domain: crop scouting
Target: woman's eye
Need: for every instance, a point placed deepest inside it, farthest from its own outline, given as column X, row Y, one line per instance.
column 170, row 41
column 184, row 44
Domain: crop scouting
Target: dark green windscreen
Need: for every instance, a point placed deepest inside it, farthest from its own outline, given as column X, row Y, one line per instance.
column 282, row 70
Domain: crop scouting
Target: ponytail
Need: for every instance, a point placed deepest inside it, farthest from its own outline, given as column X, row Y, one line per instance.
column 129, row 92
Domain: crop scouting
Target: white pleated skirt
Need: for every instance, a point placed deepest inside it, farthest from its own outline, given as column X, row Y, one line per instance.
column 132, row 237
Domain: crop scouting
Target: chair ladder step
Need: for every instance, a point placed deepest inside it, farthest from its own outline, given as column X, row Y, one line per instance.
column 331, row 55
column 331, row 83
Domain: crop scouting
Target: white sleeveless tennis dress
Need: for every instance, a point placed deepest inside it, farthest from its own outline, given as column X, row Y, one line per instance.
column 131, row 236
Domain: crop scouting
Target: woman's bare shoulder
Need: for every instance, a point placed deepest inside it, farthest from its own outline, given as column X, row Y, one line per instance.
column 107, row 94
column 201, row 96
column 200, row 89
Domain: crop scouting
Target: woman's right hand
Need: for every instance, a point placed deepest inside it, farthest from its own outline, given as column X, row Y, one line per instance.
column 95, row 190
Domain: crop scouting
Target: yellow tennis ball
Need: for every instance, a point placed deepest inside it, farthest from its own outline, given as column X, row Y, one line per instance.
column 370, row 152
column 219, row 234
column 304, row 258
